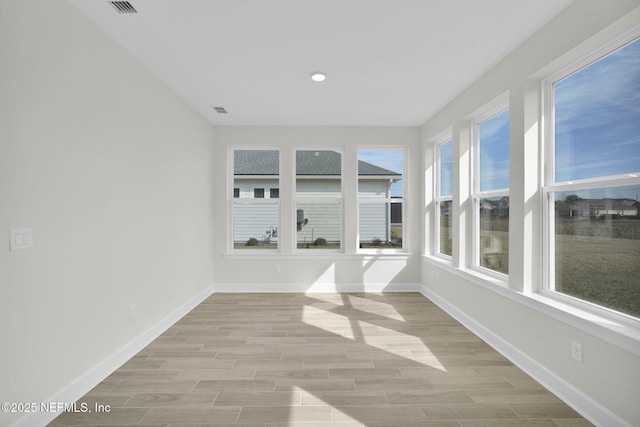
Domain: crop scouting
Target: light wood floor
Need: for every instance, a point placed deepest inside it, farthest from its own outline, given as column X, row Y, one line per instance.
column 321, row 360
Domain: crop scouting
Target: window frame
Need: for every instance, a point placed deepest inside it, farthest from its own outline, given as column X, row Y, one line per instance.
column 322, row 200
column 439, row 198
column 390, row 200
column 476, row 195
column 233, row 201
column 550, row 187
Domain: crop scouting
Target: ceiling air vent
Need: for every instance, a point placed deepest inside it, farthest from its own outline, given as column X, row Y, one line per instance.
column 220, row 110
column 123, row 7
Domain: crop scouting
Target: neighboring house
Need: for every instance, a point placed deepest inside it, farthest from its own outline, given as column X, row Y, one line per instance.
column 317, row 177
column 576, row 208
column 495, row 208
column 503, row 207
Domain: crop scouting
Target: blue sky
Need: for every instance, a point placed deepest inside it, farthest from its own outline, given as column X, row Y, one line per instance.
column 446, row 168
column 597, row 118
column 494, row 152
column 597, row 128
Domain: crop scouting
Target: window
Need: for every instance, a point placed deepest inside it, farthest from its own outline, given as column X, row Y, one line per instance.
column 274, row 193
column 491, row 193
column 318, row 199
column 444, row 198
column 592, row 183
column 255, row 219
column 380, row 198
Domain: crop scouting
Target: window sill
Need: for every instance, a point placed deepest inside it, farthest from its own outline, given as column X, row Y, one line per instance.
column 607, row 328
column 475, row 275
column 336, row 256
column 618, row 333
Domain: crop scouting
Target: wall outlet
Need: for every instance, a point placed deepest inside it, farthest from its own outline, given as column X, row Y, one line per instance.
column 576, row 351
column 276, row 268
column 133, row 312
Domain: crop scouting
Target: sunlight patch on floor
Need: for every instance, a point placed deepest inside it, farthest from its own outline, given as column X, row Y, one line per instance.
column 374, row 307
column 328, row 321
column 415, row 349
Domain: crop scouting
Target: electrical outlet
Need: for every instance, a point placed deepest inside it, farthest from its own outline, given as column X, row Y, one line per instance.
column 576, row 351
column 276, row 268
column 133, row 312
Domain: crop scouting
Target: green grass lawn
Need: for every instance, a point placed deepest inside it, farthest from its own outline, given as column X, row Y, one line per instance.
column 601, row 270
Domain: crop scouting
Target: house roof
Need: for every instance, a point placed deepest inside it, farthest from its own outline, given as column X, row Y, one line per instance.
column 321, row 163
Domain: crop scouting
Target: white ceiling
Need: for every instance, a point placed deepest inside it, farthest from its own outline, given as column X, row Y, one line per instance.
column 388, row 62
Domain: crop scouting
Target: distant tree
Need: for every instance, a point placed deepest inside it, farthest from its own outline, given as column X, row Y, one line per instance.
column 572, row 198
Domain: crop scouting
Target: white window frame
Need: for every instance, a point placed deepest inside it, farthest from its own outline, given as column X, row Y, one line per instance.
column 251, row 200
column 476, row 194
column 550, row 187
column 438, row 197
column 337, row 200
column 389, row 200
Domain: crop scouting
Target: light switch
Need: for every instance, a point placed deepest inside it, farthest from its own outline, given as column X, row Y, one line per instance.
column 27, row 238
column 21, row 238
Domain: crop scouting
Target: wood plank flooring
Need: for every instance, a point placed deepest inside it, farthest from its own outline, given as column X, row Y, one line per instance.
column 320, row 360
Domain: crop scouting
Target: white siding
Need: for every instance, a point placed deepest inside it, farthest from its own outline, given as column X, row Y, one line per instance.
column 373, row 188
column 318, row 187
column 325, row 220
column 247, row 186
column 374, row 218
column 374, row 222
column 254, row 220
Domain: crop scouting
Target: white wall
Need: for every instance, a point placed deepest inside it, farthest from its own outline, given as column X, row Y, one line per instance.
column 112, row 172
column 116, row 177
column 320, row 271
column 606, row 386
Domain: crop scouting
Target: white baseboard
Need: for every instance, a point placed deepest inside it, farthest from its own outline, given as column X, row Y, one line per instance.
column 315, row 287
column 587, row 407
column 85, row 382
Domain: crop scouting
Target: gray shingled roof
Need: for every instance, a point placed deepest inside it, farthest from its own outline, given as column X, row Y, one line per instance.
column 265, row 162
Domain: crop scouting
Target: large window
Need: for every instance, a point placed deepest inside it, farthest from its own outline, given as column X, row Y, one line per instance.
column 592, row 180
column 255, row 213
column 444, row 198
column 318, row 199
column 380, row 198
column 491, row 193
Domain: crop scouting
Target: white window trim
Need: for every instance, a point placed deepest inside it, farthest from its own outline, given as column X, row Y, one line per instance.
column 402, row 201
column 438, row 198
column 476, row 194
column 231, row 200
column 550, row 186
column 328, row 200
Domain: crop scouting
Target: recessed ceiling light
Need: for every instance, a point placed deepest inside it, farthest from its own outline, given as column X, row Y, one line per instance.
column 318, row 76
